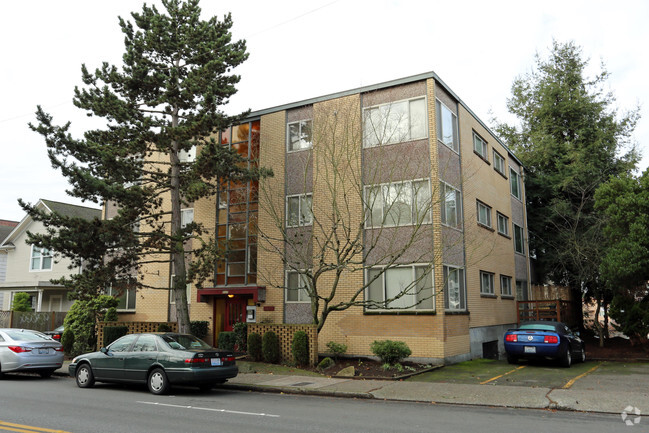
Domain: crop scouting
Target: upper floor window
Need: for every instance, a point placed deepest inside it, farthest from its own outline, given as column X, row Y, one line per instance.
column 484, row 214
column 486, row 283
column 296, row 287
column 447, row 126
column 451, row 208
column 454, row 289
column 399, row 203
column 187, row 155
column 519, row 239
column 499, row 163
column 299, row 210
column 403, row 287
column 188, row 291
column 503, row 224
column 515, row 183
column 41, row 259
column 395, row 122
column 300, row 135
column 186, row 217
column 480, row 146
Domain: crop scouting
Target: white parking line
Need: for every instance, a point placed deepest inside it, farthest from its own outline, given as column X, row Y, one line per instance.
column 237, row 412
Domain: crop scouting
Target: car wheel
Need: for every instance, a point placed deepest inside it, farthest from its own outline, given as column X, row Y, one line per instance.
column 46, row 373
column 512, row 359
column 84, row 376
column 158, row 382
column 566, row 361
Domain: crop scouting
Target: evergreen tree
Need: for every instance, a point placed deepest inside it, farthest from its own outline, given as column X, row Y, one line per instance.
column 161, row 105
column 571, row 140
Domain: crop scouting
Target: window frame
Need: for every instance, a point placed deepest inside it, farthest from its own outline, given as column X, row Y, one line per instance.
column 519, row 238
column 499, row 163
column 489, row 223
column 484, row 152
column 461, row 288
column 455, row 142
column 376, row 142
column 415, row 215
column 300, row 125
column 127, row 296
column 183, row 219
column 300, row 199
column 413, row 274
column 458, row 206
column 500, row 216
column 188, row 288
column 489, row 290
column 299, row 290
column 503, row 292
column 515, row 177
column 40, row 253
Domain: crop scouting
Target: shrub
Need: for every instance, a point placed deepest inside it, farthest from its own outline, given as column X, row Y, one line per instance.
column 164, row 327
column 270, row 347
column 111, row 315
column 81, row 320
column 241, row 333
column 199, row 328
column 631, row 316
column 226, row 340
column 67, row 340
column 300, row 348
column 390, row 352
column 336, row 349
column 112, row 333
column 21, row 302
column 326, row 363
column 254, row 346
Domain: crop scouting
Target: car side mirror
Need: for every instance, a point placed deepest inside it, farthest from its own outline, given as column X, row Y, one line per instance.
column 104, row 350
column 577, row 333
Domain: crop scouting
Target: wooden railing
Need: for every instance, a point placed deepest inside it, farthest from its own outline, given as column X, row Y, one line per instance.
column 556, row 309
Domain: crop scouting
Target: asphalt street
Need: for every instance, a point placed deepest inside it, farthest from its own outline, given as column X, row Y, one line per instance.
column 28, row 403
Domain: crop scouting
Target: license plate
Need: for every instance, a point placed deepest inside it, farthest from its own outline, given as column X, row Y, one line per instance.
column 43, row 351
column 530, row 349
column 216, row 362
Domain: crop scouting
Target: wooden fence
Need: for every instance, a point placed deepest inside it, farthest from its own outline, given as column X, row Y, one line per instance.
column 38, row 321
column 556, row 309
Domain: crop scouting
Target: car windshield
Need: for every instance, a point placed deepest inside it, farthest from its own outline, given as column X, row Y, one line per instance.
column 26, row 335
column 184, row 341
column 538, row 327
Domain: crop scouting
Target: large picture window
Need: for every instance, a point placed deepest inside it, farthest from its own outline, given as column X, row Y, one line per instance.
column 412, row 286
column 41, row 259
column 398, row 204
column 395, row 122
column 451, row 206
column 447, row 126
column 454, row 289
column 299, row 210
column 300, row 135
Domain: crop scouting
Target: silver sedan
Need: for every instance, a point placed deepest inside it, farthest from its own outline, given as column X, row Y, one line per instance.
column 23, row 350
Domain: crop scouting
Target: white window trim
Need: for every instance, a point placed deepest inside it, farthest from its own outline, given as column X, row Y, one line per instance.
column 513, row 172
column 458, row 206
column 463, row 292
column 414, row 278
column 301, row 278
column 126, row 294
column 456, row 142
column 300, row 223
column 484, row 154
column 502, row 292
column 506, row 232
column 410, row 138
column 40, row 257
column 186, row 211
column 288, row 135
column 491, row 290
column 188, row 288
column 497, row 155
column 488, row 224
column 413, row 222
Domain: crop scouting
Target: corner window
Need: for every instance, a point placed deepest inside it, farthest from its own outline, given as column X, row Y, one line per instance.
column 299, row 210
column 480, row 146
column 519, row 239
column 454, row 289
column 499, row 163
column 296, row 287
column 395, row 122
column 403, row 288
column 300, row 135
column 186, row 217
column 486, row 283
column 503, row 224
column 484, row 214
column 451, row 205
column 41, row 259
column 515, row 183
column 505, row 285
column 447, row 126
column 398, row 204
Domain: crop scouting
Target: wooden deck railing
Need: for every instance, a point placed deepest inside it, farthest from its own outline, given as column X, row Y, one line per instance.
column 556, row 309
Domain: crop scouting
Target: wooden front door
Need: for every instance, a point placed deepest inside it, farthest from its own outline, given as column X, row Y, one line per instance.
column 235, row 311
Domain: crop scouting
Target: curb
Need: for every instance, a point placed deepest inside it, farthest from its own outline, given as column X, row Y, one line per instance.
column 296, row 391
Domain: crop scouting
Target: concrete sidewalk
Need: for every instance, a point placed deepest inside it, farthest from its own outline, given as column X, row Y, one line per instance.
column 587, row 397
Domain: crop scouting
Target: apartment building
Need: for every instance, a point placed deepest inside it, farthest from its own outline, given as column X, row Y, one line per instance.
column 396, row 195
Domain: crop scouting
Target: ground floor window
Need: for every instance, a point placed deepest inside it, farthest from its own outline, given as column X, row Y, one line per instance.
column 454, row 289
column 403, row 287
column 125, row 297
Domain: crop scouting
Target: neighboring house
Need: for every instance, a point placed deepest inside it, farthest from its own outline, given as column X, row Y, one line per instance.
column 428, row 144
column 29, row 268
column 6, row 227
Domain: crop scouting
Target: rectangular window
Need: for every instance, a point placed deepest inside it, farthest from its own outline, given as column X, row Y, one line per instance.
column 395, row 122
column 519, row 239
column 480, row 146
column 125, row 297
column 187, row 155
column 300, row 135
column 454, row 289
column 299, row 210
column 486, row 283
column 515, row 183
column 499, row 163
column 186, row 217
column 451, row 205
column 172, row 298
column 505, row 285
column 296, row 287
column 503, row 224
column 447, row 126
column 41, row 259
column 403, row 287
column 484, row 214
column 398, row 204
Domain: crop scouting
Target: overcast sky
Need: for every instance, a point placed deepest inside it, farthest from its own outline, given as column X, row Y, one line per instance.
column 303, row 49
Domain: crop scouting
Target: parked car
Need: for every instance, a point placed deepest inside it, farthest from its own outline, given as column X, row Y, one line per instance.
column 24, row 350
column 545, row 340
column 56, row 333
column 158, row 359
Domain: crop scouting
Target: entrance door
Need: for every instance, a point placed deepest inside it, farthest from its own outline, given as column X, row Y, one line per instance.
column 235, row 311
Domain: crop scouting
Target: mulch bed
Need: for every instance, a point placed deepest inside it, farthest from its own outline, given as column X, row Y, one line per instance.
column 615, row 349
column 365, row 368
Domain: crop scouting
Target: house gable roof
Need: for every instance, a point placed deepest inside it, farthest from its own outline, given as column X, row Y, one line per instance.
column 6, row 227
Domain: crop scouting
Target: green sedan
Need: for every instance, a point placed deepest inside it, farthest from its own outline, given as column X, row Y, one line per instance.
column 159, row 360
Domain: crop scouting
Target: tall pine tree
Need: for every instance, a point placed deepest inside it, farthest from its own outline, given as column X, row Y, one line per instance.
column 161, row 105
